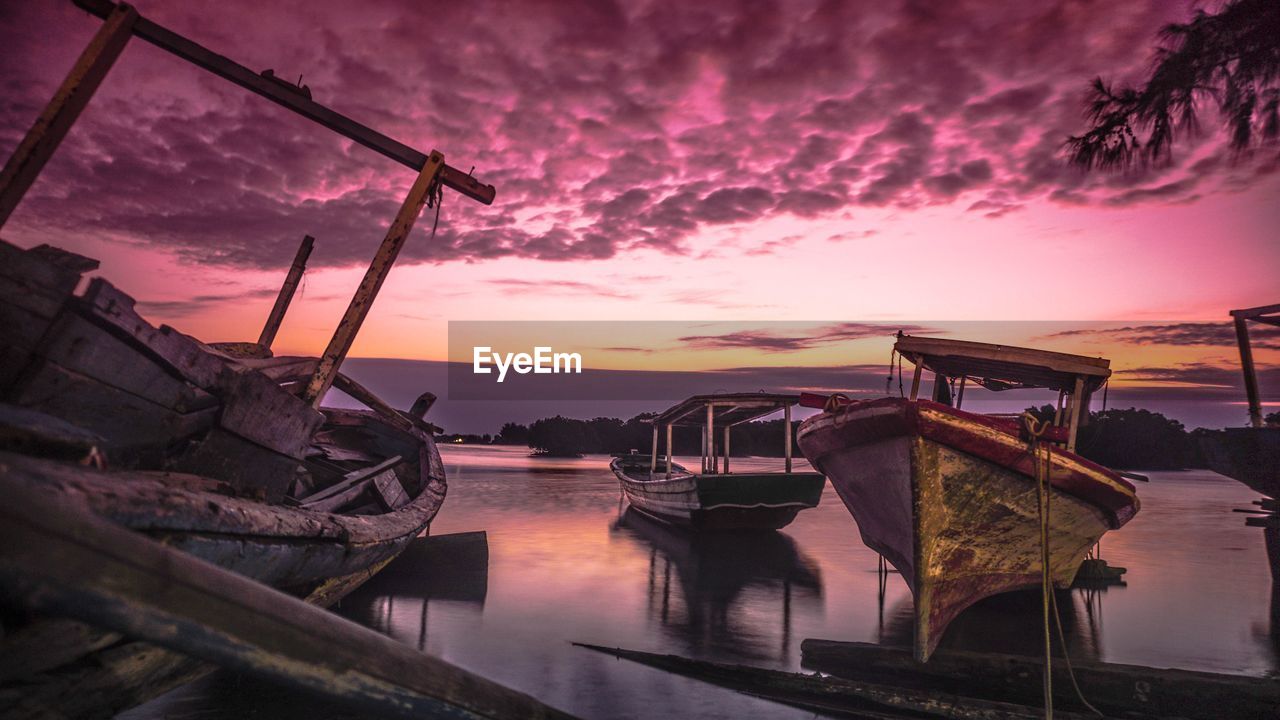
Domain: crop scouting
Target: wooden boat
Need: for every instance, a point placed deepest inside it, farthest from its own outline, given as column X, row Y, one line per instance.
column 949, row 497
column 1250, row 454
column 714, row 498
column 202, row 451
column 221, row 451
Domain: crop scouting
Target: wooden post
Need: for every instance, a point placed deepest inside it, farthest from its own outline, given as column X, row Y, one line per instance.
column 1250, row 375
column 960, row 395
column 1057, row 415
column 1077, row 399
column 786, row 434
column 345, row 335
column 713, row 464
column 653, row 456
column 915, row 381
column 24, row 166
column 669, row 453
column 290, row 285
column 726, row 449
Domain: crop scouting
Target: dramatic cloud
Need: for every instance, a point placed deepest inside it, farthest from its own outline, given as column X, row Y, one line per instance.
column 1185, row 334
column 607, row 128
column 774, row 342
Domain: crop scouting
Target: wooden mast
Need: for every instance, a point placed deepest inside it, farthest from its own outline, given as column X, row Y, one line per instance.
column 60, row 114
column 290, row 285
column 363, row 299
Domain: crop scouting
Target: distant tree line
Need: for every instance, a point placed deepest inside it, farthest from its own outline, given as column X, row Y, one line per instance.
column 1122, row 438
column 562, row 436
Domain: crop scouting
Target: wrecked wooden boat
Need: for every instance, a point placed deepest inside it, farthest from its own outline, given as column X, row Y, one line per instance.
column 204, row 452
column 222, row 452
column 1250, row 454
column 950, row 497
column 714, row 498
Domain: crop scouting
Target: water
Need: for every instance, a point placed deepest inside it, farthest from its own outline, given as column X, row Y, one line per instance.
column 567, row 564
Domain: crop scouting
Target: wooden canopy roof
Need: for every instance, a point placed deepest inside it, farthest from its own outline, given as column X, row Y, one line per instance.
column 1004, row 367
column 727, row 408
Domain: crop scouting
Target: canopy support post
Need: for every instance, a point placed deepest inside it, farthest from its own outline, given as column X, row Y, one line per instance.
column 669, row 453
column 915, row 380
column 713, row 463
column 786, row 435
column 726, row 449
column 1077, row 400
column 1250, row 374
column 653, row 454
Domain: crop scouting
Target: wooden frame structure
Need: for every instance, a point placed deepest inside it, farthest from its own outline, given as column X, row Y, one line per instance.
column 122, row 22
column 1004, row 367
column 1268, row 315
column 725, row 411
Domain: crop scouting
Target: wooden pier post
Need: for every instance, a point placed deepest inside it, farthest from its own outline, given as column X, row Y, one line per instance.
column 653, row 457
column 786, row 435
column 726, row 449
column 24, row 166
column 345, row 335
column 713, row 464
column 276, row 317
column 1250, row 374
column 1077, row 399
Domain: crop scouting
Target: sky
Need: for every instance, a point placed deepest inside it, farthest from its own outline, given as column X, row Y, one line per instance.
column 818, row 162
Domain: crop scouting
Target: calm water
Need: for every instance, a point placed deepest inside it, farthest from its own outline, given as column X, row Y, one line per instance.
column 567, row 563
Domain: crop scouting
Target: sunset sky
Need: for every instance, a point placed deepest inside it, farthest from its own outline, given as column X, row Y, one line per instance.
column 821, row 162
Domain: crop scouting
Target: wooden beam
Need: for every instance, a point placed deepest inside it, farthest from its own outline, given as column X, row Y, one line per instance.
column 712, row 463
column 59, row 559
column 915, row 380
column 345, row 335
column 293, row 99
column 290, row 285
column 669, row 452
column 1077, row 401
column 726, row 449
column 786, row 436
column 24, row 166
column 1249, row 313
column 653, row 455
column 1250, row 374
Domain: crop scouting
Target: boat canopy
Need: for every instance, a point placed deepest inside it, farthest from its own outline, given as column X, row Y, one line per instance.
column 1004, row 367
column 726, row 409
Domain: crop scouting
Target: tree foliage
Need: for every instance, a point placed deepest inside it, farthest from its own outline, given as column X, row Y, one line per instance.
column 1231, row 57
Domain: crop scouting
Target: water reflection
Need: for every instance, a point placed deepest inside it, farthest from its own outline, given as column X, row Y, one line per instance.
column 451, row 569
column 724, row 593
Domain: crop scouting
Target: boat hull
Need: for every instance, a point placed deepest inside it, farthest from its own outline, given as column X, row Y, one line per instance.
column 737, row 501
column 956, row 518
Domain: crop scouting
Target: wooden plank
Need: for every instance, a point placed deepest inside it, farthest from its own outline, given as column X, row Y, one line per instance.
column 1250, row 374
column 353, row 478
column 1065, row 363
column 283, row 299
column 30, row 431
column 293, row 99
column 786, row 436
column 1077, row 402
column 373, row 402
column 389, row 491
column 257, row 409
column 59, row 559
column 252, row 469
column 40, row 142
column 377, row 273
column 835, row 697
column 1122, row 690
column 1249, row 313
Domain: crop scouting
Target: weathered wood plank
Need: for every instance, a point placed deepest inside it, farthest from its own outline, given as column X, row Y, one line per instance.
column 272, row 326
column 258, row 409
column 253, row 470
column 1113, row 688
column 60, row 559
column 353, row 478
column 389, row 491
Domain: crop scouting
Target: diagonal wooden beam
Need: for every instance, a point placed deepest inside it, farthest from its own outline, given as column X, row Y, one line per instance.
column 24, row 166
column 283, row 299
column 378, row 270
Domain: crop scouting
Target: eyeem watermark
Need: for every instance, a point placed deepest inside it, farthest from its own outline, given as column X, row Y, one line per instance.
column 543, row 361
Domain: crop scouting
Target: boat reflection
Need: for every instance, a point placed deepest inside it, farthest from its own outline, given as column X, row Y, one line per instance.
column 446, row 569
column 718, row 594
column 1011, row 623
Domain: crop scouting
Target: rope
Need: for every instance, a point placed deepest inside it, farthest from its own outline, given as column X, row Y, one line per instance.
column 1042, row 453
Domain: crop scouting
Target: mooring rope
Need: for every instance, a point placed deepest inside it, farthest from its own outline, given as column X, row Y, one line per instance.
column 1042, row 454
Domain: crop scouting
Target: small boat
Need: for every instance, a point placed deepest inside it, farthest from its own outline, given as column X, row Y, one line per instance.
column 950, row 497
column 1250, row 454
column 714, row 498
